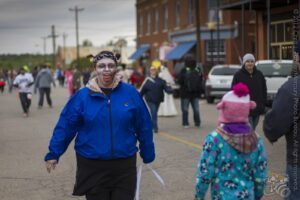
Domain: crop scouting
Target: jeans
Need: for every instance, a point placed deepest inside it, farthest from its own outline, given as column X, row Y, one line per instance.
column 185, row 110
column 25, row 102
column 253, row 120
column 46, row 91
column 153, row 110
column 293, row 173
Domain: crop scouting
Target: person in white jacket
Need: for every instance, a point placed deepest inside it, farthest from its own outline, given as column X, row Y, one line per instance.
column 24, row 82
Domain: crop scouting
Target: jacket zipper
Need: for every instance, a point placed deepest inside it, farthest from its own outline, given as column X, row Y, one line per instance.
column 111, row 131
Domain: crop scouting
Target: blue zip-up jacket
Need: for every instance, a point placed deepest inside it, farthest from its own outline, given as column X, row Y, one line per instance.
column 106, row 127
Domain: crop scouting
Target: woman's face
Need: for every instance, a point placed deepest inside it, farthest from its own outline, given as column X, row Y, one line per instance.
column 106, row 69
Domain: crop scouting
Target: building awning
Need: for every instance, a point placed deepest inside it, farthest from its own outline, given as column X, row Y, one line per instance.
column 180, row 50
column 139, row 52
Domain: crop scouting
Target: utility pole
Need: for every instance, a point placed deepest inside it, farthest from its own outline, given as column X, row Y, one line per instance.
column 44, row 47
column 64, row 50
column 53, row 36
column 218, row 31
column 198, row 38
column 76, row 10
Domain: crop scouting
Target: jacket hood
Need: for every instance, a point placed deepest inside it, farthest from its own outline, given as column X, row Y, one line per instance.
column 244, row 142
column 95, row 85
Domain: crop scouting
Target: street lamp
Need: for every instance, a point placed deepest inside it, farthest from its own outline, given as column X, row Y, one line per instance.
column 211, row 27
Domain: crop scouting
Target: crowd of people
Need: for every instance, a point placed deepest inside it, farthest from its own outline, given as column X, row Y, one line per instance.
column 122, row 109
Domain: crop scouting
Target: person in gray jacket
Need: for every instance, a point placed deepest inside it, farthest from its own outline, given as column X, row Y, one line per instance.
column 43, row 83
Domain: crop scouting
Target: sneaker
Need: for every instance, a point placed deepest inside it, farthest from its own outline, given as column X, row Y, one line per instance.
column 197, row 126
column 186, row 126
column 25, row 115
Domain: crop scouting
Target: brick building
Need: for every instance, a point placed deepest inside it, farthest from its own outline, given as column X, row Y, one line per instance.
column 166, row 30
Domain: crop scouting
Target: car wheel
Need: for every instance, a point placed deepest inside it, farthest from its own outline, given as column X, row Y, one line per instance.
column 210, row 99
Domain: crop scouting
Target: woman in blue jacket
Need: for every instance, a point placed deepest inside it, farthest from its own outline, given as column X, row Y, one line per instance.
column 107, row 118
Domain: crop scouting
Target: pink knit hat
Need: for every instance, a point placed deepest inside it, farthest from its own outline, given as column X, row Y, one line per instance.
column 235, row 105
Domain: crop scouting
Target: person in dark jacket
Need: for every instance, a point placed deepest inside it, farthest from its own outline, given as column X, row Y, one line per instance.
column 107, row 117
column 190, row 94
column 256, row 83
column 43, row 83
column 153, row 89
column 283, row 120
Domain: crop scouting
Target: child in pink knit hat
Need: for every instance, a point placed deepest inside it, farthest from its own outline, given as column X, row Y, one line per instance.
column 233, row 159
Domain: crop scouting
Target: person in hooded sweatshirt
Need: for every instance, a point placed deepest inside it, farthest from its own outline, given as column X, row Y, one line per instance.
column 233, row 160
column 256, row 83
column 107, row 117
column 43, row 83
column 24, row 82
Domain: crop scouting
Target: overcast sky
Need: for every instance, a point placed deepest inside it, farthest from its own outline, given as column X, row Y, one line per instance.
column 23, row 23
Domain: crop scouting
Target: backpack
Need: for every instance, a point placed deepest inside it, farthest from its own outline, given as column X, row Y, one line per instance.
column 193, row 80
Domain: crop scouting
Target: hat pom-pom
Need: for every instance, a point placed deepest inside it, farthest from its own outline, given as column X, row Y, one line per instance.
column 240, row 89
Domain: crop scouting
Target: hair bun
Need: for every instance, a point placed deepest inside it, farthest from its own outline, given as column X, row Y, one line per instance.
column 118, row 56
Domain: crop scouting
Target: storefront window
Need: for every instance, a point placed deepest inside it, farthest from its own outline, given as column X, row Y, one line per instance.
column 191, row 12
column 156, row 16
column 287, row 52
column 273, row 33
column 275, row 52
column 280, row 33
column 289, row 31
column 165, row 8
column 212, row 50
column 177, row 14
column 141, row 25
column 148, row 22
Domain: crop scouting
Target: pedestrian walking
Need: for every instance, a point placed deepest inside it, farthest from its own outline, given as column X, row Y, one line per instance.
column 76, row 81
column 86, row 76
column 69, row 80
column 43, row 84
column 153, row 89
column 233, row 161
column 137, row 77
column 283, row 120
column 167, row 108
column 256, row 83
column 24, row 81
column 2, row 81
column 107, row 117
column 190, row 80
column 124, row 73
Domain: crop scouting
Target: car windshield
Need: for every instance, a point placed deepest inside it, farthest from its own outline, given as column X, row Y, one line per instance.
column 224, row 71
column 275, row 69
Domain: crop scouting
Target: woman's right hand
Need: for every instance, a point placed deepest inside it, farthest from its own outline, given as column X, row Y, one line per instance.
column 50, row 165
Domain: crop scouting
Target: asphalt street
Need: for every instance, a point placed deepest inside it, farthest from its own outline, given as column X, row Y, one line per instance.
column 24, row 142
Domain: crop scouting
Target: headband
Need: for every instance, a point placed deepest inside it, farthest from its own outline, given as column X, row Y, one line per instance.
column 101, row 56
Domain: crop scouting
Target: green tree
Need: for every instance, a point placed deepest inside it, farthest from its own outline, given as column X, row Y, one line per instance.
column 87, row 43
column 83, row 63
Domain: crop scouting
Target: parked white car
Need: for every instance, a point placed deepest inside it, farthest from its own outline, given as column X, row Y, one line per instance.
column 219, row 81
column 276, row 72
